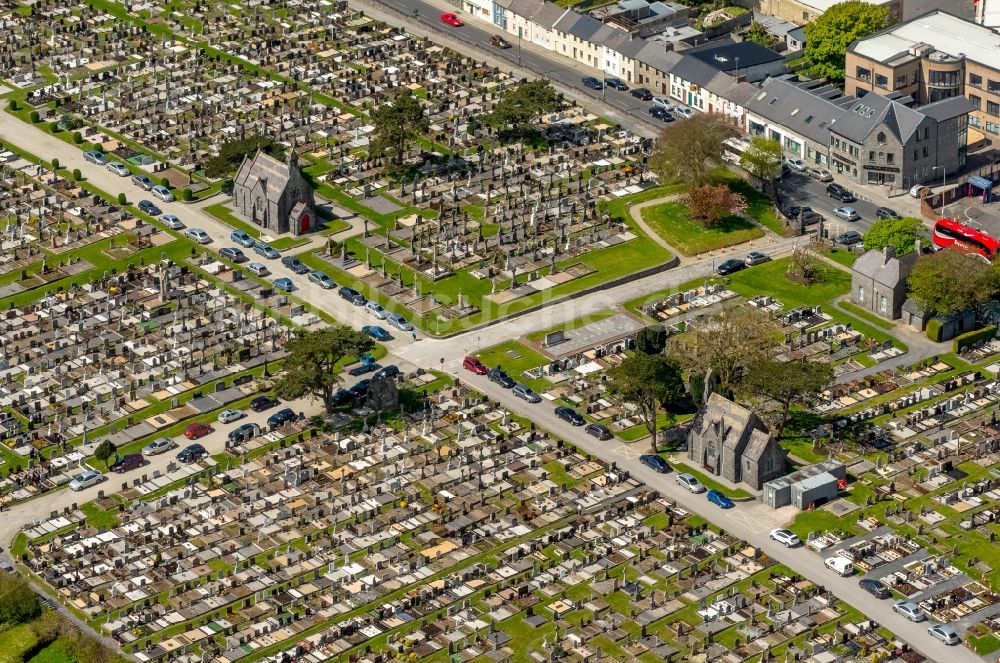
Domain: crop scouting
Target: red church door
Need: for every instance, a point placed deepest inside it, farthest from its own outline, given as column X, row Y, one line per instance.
column 304, row 223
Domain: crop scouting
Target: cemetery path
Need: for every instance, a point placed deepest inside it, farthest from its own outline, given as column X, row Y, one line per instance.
column 636, row 212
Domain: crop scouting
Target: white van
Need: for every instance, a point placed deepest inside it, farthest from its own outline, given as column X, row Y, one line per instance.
column 839, row 565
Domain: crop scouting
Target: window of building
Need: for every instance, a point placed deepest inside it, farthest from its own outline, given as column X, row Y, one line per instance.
column 976, row 101
column 927, row 133
column 925, row 152
column 793, row 146
column 915, row 155
column 942, row 78
column 993, row 87
column 863, row 74
column 881, row 81
column 993, row 127
column 860, row 92
column 861, row 294
column 882, row 303
column 975, row 80
column 881, row 138
column 901, row 80
column 871, row 155
column 890, row 157
column 993, row 108
column 974, row 121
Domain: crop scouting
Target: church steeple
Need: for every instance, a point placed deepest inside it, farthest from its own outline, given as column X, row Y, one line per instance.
column 293, row 159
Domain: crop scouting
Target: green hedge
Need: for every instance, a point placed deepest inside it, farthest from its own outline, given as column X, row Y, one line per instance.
column 934, row 330
column 973, row 337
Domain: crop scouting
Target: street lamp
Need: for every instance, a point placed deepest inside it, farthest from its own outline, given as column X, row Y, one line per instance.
column 520, row 29
column 944, row 174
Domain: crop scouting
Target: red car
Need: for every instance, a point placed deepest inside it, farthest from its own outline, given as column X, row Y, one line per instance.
column 451, row 19
column 196, row 430
column 474, row 365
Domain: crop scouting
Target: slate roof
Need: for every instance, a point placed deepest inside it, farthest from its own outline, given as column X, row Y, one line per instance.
column 727, row 55
column 694, row 70
column 547, row 15
column 884, row 267
column 797, row 108
column 266, row 168
column 873, row 112
column 657, row 57
column 948, row 108
column 757, row 445
column 734, row 417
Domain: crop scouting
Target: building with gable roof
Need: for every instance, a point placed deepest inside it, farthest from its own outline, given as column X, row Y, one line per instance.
column 730, row 441
column 878, row 281
column 275, row 195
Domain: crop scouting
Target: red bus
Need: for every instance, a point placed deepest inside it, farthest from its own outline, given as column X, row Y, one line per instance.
column 948, row 232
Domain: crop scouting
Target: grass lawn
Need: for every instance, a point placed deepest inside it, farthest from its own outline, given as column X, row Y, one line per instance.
column 15, row 641
column 845, row 258
column 573, row 324
column 865, row 315
column 983, row 644
column 759, row 207
column 706, row 480
column 522, row 359
column 288, row 243
column 60, row 651
column 222, row 213
column 670, row 221
column 98, row 517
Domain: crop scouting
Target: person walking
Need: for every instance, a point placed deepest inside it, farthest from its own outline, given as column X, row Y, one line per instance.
column 414, row 333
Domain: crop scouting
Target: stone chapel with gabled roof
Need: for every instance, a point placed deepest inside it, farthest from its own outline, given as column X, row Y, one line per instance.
column 275, row 195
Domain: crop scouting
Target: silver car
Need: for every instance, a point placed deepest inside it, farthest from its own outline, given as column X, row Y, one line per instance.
column 690, row 482
column 119, row 169
column 910, row 610
column 524, row 392
column 172, row 222
column 158, row 446
column 944, row 633
column 86, row 480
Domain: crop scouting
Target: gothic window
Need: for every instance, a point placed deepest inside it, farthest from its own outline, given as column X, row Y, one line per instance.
column 861, row 294
column 882, row 303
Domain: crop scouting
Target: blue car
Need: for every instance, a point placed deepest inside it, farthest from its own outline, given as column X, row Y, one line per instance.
column 281, row 417
column 719, row 500
column 284, row 284
column 242, row 238
column 376, row 332
column 654, row 462
column 262, row 249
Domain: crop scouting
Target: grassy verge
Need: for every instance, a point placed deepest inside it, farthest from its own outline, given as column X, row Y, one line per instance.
column 514, row 358
column 707, row 481
column 576, row 323
column 865, row 315
column 671, row 221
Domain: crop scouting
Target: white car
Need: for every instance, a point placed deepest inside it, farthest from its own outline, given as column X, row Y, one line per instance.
column 797, row 164
column 198, row 235
column 663, row 103
column 163, row 193
column 847, row 213
column 375, row 309
column 172, row 222
column 944, row 633
column 786, row 537
column 86, row 480
column 919, row 191
column 683, row 111
column 910, row 610
column 119, row 169
column 158, row 446
column 839, row 565
column 690, row 482
column 229, row 416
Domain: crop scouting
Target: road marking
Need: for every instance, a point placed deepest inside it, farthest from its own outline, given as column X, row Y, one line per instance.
column 750, row 522
column 627, row 451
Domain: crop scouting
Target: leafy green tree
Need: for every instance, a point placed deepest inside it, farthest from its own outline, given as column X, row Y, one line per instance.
column 687, row 151
column 233, row 152
column 828, row 37
column 519, row 108
column 105, row 452
column 901, row 234
column 651, row 340
column 948, row 281
column 311, row 365
column 784, row 383
column 757, row 33
column 18, row 602
column 397, row 125
column 650, row 382
column 762, row 158
column 726, row 343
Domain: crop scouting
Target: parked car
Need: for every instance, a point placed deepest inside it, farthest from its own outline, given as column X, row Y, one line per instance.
column 149, row 207
column 847, row 213
column 163, row 193
column 642, row 93
column 660, row 114
column 172, row 222
column 797, row 164
column 690, row 482
column 321, row 279
column 281, row 417
column 242, row 238
column 360, row 388
column 719, row 499
column 244, row 432
column 499, row 42
column 95, row 156
column 230, row 415
column 352, row 295
column 730, row 266
column 197, row 430
column 142, row 182
column 499, row 376
column 127, row 463
column 944, row 633
column 294, row 264
column 821, row 174
column 786, row 537
column 886, row 213
column 473, row 364
column 848, row 238
column 683, row 111
column 341, row 397
column 375, row 309
column 284, row 284
column 158, row 446
column 526, row 393
column 119, row 169
column 839, row 565
column 86, row 480
column 192, row 453
column 655, row 463
column 391, row 371
column 919, row 191
column 570, row 415
column 451, row 19
column 265, row 250
column 399, row 322
column 262, row 403
column 663, row 102
column 376, row 332
column 837, row 191
column 233, row 253
column 364, row 367
column 756, row 258
column 258, row 269
column 198, row 235
column 875, row 588
column 593, row 83
column 910, row 610
column 616, row 83
column 600, row 431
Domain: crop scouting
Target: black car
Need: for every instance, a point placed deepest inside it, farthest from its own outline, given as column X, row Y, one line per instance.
column 363, row 368
column 360, row 388
column 353, row 296
column 791, row 212
column 244, row 432
column 262, row 403
column 642, row 93
column 875, row 588
column 390, row 371
column 192, row 453
column 148, row 207
column 592, row 83
column 570, row 415
column 281, row 417
column 886, row 213
column 615, row 83
column 501, row 378
column 341, row 397
column 661, row 114
column 655, row 462
column 837, row 191
column 294, row 264
column 599, row 431
column 730, row 266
